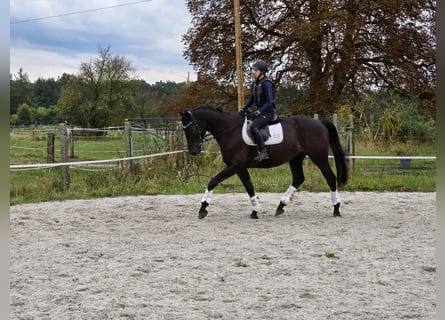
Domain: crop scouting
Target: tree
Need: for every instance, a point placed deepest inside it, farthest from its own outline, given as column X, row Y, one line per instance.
column 24, row 115
column 100, row 95
column 155, row 100
column 20, row 90
column 13, row 119
column 205, row 91
column 41, row 115
column 46, row 92
column 64, row 79
column 329, row 48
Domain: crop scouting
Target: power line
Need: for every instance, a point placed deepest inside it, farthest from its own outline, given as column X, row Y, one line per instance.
column 77, row 12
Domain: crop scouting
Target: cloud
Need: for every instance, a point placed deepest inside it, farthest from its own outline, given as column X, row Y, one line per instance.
column 44, row 64
column 148, row 34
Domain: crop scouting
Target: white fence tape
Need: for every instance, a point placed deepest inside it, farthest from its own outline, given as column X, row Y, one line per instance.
column 391, row 157
column 78, row 163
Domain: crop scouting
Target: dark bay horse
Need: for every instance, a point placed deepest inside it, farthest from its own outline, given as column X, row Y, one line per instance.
column 302, row 136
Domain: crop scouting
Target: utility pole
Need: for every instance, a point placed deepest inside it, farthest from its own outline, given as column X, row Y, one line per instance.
column 239, row 58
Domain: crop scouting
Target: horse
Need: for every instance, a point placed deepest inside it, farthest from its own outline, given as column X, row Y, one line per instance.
column 301, row 136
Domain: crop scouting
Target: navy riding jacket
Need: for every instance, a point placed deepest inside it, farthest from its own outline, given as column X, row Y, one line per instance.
column 262, row 95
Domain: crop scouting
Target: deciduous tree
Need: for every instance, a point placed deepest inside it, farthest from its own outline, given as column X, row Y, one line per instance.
column 329, row 48
column 100, row 94
column 24, row 114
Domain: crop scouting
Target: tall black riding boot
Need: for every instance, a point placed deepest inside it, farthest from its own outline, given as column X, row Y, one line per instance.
column 262, row 155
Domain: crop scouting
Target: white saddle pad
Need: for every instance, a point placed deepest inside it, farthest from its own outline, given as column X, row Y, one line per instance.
column 276, row 134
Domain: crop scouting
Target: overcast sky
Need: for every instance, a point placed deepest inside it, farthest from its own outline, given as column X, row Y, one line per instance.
column 147, row 33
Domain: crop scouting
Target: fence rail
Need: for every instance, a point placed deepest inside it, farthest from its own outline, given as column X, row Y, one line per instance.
column 116, row 160
column 162, row 137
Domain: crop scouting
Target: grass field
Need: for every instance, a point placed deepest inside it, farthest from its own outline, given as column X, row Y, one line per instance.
column 172, row 175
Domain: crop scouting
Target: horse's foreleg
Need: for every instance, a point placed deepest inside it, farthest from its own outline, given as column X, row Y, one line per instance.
column 255, row 207
column 247, row 183
column 285, row 199
column 204, row 203
column 296, row 166
column 222, row 175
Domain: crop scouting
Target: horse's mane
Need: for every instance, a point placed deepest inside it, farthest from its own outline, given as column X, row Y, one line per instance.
column 207, row 107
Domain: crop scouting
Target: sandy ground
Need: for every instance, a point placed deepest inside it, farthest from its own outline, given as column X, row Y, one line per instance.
column 150, row 257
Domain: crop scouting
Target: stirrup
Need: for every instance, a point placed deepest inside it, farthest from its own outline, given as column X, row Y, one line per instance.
column 263, row 155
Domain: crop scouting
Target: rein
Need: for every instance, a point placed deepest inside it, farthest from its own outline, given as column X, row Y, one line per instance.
column 203, row 137
column 195, row 125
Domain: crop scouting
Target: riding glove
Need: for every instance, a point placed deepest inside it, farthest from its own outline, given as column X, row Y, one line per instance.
column 255, row 114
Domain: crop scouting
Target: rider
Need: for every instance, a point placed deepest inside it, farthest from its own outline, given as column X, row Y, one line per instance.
column 264, row 99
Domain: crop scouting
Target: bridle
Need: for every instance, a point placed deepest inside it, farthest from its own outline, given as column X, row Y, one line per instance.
column 194, row 124
column 202, row 135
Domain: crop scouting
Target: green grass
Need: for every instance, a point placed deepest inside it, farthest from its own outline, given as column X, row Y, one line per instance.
column 162, row 175
column 329, row 254
column 241, row 263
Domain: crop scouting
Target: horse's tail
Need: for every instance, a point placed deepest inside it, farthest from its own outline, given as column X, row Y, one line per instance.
column 339, row 155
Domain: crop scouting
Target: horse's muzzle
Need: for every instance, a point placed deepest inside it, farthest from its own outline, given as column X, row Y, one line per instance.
column 194, row 150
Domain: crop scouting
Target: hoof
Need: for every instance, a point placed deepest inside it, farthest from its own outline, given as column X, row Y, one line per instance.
column 203, row 211
column 337, row 210
column 280, row 209
column 254, row 215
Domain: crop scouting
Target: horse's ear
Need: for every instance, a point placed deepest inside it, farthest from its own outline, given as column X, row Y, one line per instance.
column 185, row 114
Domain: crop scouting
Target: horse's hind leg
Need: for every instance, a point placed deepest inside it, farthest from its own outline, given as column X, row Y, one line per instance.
column 247, row 183
column 296, row 166
column 330, row 177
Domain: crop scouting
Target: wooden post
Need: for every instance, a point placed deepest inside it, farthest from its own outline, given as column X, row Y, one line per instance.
column 182, row 158
column 50, row 147
column 238, row 53
column 64, row 151
column 335, row 120
column 70, row 142
column 351, row 141
column 128, row 145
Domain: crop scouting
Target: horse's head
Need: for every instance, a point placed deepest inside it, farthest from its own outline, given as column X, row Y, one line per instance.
column 193, row 133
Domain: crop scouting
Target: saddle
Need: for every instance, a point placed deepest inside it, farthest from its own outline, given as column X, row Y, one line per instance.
column 272, row 132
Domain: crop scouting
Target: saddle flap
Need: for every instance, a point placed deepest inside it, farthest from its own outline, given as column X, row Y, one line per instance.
column 274, row 133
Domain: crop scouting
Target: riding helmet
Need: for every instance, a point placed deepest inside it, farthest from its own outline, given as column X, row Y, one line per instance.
column 260, row 64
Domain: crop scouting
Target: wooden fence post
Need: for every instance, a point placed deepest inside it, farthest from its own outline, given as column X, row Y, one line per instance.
column 128, row 145
column 70, row 142
column 350, row 143
column 64, row 151
column 335, row 120
column 182, row 158
column 50, row 147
